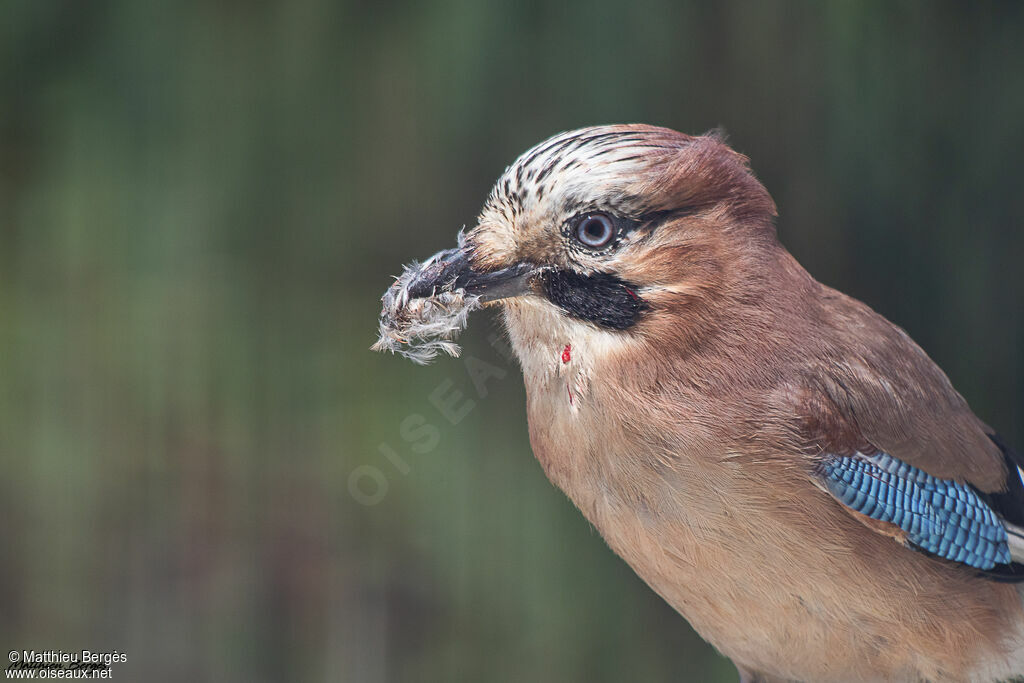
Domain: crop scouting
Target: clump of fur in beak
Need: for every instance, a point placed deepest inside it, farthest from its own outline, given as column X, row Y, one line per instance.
column 420, row 327
column 429, row 303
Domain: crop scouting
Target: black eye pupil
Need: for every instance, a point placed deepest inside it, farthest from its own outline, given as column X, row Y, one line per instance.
column 595, row 231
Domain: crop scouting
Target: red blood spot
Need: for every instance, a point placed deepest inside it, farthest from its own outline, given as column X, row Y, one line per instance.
column 567, row 353
column 570, row 394
column 630, row 292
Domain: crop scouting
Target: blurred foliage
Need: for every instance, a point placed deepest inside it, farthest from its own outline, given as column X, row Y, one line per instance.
column 201, row 202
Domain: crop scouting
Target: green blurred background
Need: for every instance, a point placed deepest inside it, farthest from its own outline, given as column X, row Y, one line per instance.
column 201, row 202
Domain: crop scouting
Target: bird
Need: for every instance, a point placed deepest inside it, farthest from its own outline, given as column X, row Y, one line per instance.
column 785, row 467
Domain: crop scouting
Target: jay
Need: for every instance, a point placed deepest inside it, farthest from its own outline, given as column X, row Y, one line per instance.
column 783, row 465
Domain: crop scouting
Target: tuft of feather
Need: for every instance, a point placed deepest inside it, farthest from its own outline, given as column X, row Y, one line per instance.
column 420, row 328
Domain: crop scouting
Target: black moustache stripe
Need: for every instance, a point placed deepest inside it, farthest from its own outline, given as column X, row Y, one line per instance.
column 602, row 299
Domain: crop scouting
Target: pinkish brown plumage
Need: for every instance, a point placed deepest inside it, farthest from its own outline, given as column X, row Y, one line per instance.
column 713, row 399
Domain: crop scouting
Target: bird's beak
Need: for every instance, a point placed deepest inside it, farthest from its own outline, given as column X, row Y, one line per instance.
column 453, row 269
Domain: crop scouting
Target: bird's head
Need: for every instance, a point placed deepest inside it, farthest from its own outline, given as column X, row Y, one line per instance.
column 605, row 233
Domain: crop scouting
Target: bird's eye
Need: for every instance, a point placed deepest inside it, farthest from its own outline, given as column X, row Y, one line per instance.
column 595, row 230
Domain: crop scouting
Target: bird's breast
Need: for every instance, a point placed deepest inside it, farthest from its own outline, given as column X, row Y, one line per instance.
column 760, row 562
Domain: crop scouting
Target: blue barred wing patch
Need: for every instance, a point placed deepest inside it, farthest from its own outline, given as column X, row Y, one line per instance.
column 940, row 516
